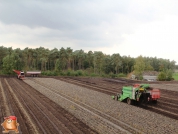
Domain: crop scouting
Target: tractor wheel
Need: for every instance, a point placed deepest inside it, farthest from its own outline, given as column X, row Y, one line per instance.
column 129, row 101
column 115, row 97
column 154, row 101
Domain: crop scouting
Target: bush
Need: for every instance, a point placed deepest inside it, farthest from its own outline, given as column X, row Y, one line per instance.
column 93, row 75
column 68, row 73
column 122, row 75
column 113, row 75
column 80, row 72
column 162, row 76
column 54, row 73
column 169, row 75
column 62, row 73
column 103, row 75
column 49, row 73
column 141, row 78
column 73, row 73
column 165, row 75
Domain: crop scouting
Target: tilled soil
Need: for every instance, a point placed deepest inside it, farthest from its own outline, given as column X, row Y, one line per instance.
column 172, row 87
column 36, row 113
column 167, row 105
column 110, row 114
column 52, row 106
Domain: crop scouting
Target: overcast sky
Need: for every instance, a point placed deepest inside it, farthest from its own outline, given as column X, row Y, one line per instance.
column 128, row 27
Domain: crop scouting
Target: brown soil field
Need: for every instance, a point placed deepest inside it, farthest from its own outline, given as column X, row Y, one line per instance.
column 84, row 105
column 36, row 113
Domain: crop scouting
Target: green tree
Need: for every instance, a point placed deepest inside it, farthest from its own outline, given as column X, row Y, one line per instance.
column 162, row 76
column 10, row 62
column 57, row 65
column 107, row 65
column 53, row 57
column 43, row 58
column 148, row 66
column 139, row 66
column 3, row 53
column 98, row 62
column 90, row 57
column 80, row 57
column 63, row 58
column 169, row 74
column 69, row 57
column 116, row 61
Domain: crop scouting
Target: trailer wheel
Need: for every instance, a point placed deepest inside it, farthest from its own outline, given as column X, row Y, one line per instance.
column 129, row 101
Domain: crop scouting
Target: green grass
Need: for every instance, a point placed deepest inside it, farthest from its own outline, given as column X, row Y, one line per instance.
column 175, row 76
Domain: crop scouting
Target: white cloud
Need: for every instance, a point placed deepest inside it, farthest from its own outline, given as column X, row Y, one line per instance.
column 134, row 28
column 157, row 38
column 19, row 36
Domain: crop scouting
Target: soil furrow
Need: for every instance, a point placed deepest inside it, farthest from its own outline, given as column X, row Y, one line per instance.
column 53, row 113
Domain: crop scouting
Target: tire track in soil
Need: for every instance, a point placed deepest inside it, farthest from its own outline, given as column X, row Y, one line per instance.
column 27, row 126
column 45, row 124
column 62, row 119
column 163, row 110
column 53, row 110
column 6, row 106
column 5, row 103
column 2, row 107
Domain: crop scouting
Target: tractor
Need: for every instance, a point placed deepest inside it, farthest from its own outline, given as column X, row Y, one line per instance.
column 20, row 74
column 138, row 93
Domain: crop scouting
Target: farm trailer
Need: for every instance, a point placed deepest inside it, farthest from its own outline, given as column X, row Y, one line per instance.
column 139, row 93
column 33, row 73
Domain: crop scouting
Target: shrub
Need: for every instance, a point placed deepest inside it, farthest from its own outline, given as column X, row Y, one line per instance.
column 93, row 75
column 162, row 76
column 80, row 72
column 122, row 75
column 68, row 73
column 62, row 73
column 113, row 75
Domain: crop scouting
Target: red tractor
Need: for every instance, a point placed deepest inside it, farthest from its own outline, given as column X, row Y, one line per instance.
column 20, row 74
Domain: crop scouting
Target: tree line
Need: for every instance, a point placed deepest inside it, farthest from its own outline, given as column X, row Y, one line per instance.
column 59, row 61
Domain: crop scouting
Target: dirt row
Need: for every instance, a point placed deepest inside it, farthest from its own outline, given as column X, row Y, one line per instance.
column 36, row 113
column 138, row 118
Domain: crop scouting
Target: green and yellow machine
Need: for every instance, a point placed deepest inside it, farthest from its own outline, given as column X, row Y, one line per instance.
column 141, row 93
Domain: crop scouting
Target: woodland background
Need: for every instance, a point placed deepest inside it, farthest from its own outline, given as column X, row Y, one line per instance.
column 68, row 62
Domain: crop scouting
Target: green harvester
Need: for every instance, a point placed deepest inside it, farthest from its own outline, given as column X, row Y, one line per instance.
column 141, row 93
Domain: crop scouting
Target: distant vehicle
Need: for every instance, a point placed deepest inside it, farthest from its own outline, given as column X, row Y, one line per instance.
column 20, row 74
column 33, row 73
column 133, row 76
column 149, row 78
